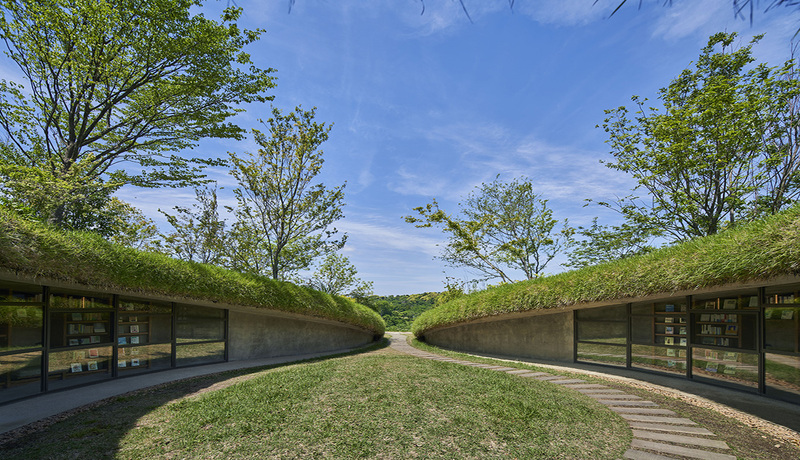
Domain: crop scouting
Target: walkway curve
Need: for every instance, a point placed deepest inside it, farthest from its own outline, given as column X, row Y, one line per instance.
column 657, row 433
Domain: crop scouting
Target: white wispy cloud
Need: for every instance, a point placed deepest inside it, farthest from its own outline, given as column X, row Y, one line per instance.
column 484, row 150
column 567, row 12
column 368, row 236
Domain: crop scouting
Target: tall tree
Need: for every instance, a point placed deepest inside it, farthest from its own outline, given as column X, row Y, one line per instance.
column 602, row 243
column 284, row 219
column 709, row 160
column 503, row 226
column 107, row 83
column 336, row 275
column 198, row 232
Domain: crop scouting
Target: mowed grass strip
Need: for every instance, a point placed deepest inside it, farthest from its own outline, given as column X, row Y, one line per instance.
column 377, row 405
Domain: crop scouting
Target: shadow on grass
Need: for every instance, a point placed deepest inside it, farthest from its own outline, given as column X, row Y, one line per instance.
column 95, row 430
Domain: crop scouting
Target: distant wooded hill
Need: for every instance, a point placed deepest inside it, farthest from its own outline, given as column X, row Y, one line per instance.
column 399, row 311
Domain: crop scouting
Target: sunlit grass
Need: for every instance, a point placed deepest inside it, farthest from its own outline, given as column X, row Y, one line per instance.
column 378, row 405
column 36, row 250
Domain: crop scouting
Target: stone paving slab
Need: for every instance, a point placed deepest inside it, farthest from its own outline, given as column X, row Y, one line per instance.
column 533, row 374
column 633, row 454
column 622, row 396
column 642, row 411
column 696, row 430
column 501, row 369
column 622, row 402
column 678, row 450
column 593, row 386
column 519, row 371
column 657, row 419
column 567, row 381
column 550, row 377
column 680, row 439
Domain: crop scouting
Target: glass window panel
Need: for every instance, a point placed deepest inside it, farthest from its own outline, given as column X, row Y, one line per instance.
column 11, row 293
column 20, row 375
column 672, row 306
column 20, row 327
column 642, row 309
column 199, row 323
column 782, row 328
column 146, row 327
column 603, row 354
column 642, row 329
column 783, row 373
column 192, row 311
column 731, row 300
column 663, row 359
column 788, row 295
column 728, row 366
column 724, row 329
column 143, row 358
column 614, row 313
column 79, row 328
column 600, row 331
column 200, row 353
column 77, row 367
column 79, row 302
column 126, row 305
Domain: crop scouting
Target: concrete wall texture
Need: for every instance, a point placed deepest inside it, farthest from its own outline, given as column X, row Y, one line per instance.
column 255, row 335
column 545, row 336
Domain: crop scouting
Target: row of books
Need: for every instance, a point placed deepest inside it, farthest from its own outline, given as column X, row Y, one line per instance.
column 719, row 318
column 86, row 328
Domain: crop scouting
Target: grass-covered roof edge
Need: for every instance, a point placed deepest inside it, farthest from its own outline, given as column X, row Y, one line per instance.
column 33, row 250
column 761, row 250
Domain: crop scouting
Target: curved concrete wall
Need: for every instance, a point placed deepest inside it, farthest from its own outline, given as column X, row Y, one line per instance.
column 543, row 336
column 255, row 335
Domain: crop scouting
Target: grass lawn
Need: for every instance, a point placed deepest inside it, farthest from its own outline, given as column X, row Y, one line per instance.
column 381, row 404
column 746, row 442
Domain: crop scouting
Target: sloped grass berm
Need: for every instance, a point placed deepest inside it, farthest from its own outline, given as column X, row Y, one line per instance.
column 382, row 404
column 760, row 250
column 38, row 251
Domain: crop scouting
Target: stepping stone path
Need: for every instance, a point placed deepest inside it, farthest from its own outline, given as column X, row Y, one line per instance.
column 657, row 433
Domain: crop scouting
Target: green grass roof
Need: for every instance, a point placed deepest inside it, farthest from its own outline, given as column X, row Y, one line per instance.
column 35, row 250
column 761, row 250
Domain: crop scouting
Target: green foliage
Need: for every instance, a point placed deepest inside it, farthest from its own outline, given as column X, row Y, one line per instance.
column 399, row 311
column 602, row 243
column 109, row 83
column 723, row 151
column 198, row 233
column 283, row 219
column 504, row 226
column 39, row 251
column 336, row 275
column 767, row 248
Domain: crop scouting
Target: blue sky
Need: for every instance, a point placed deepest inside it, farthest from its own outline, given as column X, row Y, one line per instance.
column 431, row 105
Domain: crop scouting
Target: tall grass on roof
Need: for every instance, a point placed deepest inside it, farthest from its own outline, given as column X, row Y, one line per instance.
column 35, row 250
column 761, row 250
